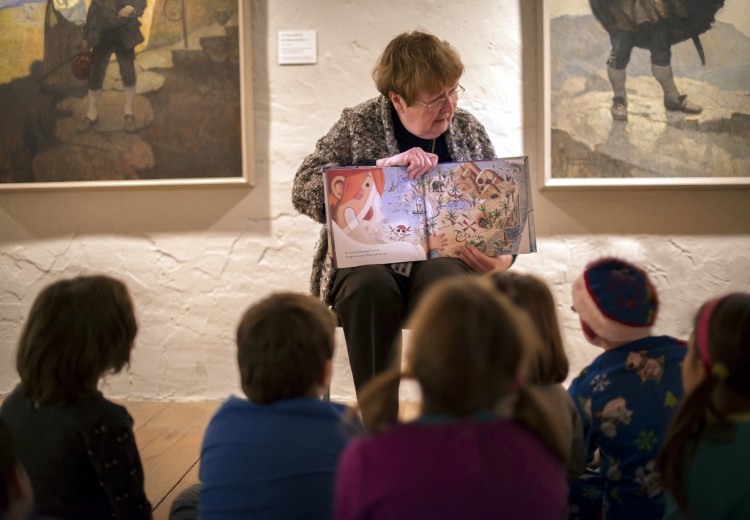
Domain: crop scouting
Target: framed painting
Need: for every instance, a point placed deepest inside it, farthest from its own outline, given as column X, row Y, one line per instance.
column 621, row 110
column 159, row 95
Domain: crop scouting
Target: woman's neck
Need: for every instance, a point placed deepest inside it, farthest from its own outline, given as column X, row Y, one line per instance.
column 406, row 140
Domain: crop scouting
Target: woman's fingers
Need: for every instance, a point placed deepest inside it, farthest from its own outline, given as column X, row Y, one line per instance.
column 417, row 162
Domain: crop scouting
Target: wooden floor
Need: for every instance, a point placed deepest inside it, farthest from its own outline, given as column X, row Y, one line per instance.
column 169, row 437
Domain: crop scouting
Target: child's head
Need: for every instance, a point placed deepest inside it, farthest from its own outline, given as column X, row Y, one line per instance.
column 716, row 377
column 532, row 294
column 470, row 349
column 616, row 302
column 469, row 345
column 77, row 330
column 16, row 496
column 285, row 346
column 719, row 346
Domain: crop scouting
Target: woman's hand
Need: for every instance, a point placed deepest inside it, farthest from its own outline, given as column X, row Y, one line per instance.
column 483, row 263
column 436, row 242
column 417, row 161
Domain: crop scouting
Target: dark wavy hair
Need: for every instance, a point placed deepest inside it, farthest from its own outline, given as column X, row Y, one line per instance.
column 77, row 330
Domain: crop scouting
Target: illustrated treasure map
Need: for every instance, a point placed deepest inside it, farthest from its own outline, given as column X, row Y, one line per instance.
column 379, row 216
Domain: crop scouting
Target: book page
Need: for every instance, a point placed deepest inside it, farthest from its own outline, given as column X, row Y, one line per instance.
column 379, row 216
column 372, row 218
column 483, row 203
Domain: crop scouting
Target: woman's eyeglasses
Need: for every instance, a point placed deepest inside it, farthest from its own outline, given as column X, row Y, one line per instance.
column 440, row 102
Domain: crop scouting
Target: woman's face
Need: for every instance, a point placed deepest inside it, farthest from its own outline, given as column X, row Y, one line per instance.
column 430, row 113
column 693, row 371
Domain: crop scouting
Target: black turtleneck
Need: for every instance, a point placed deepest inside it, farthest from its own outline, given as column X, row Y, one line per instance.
column 406, row 140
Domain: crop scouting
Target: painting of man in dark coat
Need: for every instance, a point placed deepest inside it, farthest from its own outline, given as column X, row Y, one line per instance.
column 654, row 25
column 112, row 26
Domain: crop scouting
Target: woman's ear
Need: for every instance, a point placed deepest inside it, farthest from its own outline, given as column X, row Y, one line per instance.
column 398, row 102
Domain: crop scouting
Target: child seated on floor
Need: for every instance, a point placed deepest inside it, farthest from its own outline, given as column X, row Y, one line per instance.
column 461, row 458
column 706, row 455
column 77, row 447
column 274, row 454
column 549, row 368
column 626, row 395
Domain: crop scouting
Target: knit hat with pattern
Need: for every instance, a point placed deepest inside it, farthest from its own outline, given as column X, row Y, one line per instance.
column 616, row 300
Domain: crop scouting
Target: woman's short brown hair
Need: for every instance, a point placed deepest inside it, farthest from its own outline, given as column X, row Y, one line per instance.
column 77, row 330
column 415, row 61
column 283, row 343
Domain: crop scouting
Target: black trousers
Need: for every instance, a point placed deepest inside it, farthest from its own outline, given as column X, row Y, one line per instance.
column 374, row 302
column 100, row 56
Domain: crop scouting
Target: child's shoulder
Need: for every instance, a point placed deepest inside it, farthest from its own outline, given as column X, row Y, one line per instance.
column 95, row 410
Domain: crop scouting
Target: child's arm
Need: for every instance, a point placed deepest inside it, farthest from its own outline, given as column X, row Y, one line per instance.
column 114, row 455
column 580, row 397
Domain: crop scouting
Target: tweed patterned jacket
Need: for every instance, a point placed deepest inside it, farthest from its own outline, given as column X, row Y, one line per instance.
column 362, row 135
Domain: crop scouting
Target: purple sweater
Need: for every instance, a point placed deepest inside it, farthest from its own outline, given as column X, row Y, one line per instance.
column 458, row 469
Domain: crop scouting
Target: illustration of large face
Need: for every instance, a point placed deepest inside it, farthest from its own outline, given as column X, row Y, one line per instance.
column 355, row 198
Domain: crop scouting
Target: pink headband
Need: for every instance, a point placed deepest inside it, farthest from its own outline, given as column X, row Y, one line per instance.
column 702, row 332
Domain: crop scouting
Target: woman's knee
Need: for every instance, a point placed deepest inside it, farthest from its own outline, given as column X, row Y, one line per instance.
column 373, row 283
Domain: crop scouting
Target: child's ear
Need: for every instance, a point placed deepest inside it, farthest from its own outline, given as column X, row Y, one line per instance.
column 588, row 332
column 325, row 375
column 337, row 187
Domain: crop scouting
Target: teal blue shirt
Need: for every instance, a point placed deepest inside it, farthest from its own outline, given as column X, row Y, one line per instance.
column 718, row 482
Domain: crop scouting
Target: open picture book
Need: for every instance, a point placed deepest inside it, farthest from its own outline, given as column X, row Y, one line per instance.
column 377, row 215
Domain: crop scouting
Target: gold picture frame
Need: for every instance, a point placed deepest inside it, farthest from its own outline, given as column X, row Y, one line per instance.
column 193, row 102
column 584, row 146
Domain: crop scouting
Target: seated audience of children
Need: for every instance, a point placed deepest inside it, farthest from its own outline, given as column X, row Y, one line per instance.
column 550, row 367
column 460, row 458
column 77, row 447
column 626, row 395
column 706, row 455
column 494, row 434
column 274, row 454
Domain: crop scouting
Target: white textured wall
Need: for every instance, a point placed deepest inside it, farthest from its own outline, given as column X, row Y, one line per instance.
column 195, row 258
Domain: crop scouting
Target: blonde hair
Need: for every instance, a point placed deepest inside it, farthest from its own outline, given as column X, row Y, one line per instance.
column 469, row 350
column 415, row 61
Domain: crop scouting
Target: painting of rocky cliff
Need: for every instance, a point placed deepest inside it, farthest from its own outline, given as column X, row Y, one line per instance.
column 185, row 109
column 706, row 140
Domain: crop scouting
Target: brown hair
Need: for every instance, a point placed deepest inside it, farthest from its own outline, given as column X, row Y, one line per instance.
column 416, row 60
column 283, row 343
column 77, row 330
column 469, row 345
column 533, row 295
column 728, row 342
